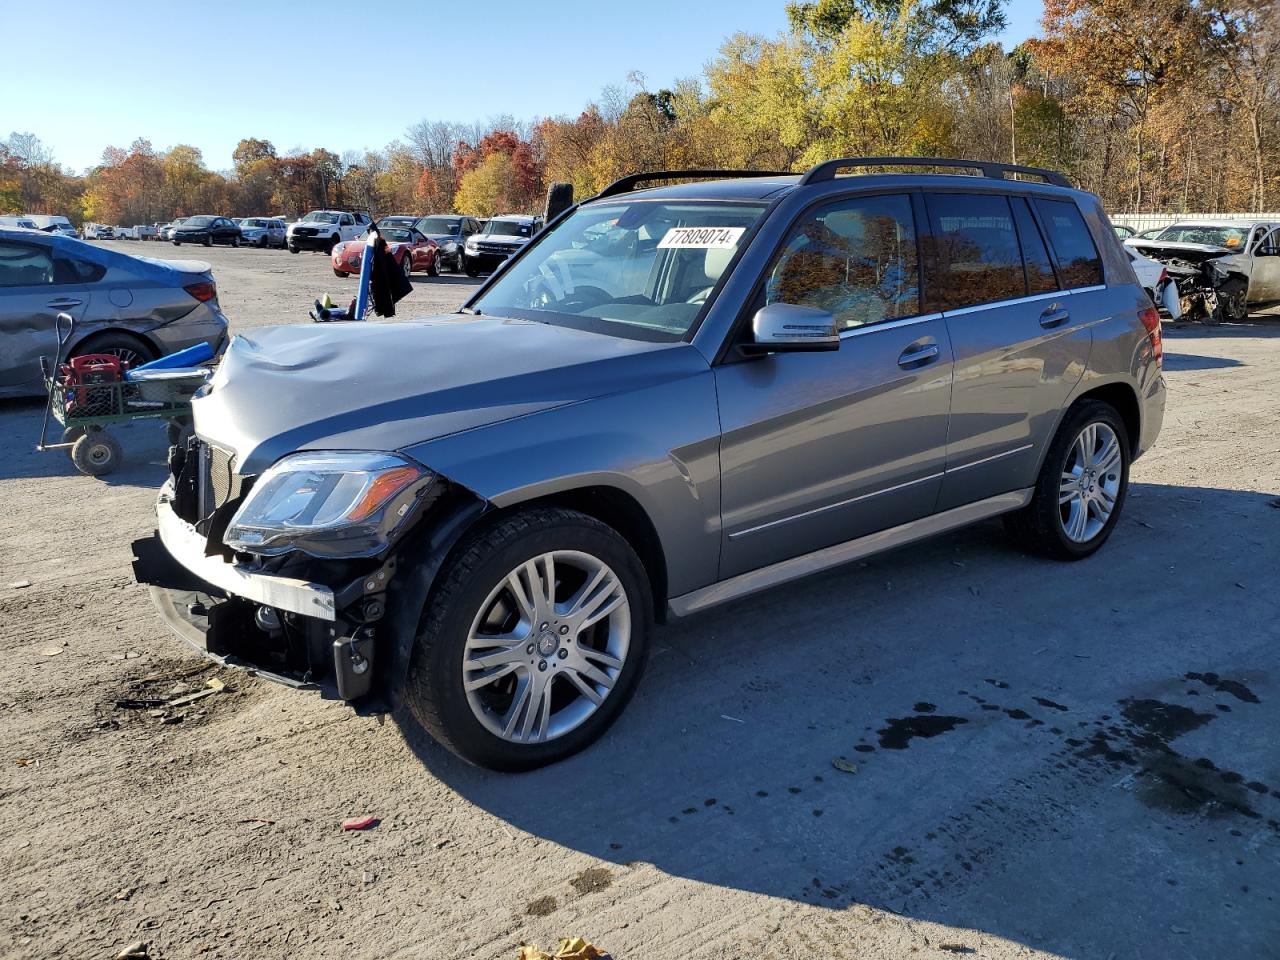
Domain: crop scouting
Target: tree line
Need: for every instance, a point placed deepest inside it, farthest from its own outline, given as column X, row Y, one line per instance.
column 1155, row 105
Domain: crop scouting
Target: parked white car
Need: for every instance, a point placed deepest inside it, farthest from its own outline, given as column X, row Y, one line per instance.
column 325, row 229
column 1156, row 281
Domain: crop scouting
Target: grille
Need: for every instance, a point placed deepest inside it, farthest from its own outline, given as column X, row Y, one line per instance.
column 305, row 231
column 498, row 248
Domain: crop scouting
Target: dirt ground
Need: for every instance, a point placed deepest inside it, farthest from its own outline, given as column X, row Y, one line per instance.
column 1051, row 760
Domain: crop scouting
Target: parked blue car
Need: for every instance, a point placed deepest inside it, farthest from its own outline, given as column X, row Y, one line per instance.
column 137, row 308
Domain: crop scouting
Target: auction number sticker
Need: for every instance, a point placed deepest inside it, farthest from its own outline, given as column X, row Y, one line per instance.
column 701, row 238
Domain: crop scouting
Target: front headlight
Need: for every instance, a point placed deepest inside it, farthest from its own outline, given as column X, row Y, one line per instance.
column 451, row 246
column 327, row 504
column 473, row 245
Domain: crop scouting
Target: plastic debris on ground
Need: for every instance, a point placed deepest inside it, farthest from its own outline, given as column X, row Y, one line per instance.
column 359, row 823
column 844, row 764
column 571, row 948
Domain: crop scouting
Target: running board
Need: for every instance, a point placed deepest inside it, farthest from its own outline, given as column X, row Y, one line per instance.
column 833, row 556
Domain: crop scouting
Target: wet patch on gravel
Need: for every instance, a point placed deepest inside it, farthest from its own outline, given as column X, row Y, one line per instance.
column 591, row 880
column 900, row 731
column 1234, row 687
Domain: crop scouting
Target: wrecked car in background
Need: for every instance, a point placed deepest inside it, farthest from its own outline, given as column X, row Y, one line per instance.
column 1222, row 268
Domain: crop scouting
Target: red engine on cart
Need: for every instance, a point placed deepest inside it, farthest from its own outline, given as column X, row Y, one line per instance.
column 80, row 374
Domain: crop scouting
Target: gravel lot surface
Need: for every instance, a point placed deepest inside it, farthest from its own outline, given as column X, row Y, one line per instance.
column 1051, row 760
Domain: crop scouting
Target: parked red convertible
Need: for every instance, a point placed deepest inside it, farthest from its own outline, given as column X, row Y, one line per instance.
column 412, row 250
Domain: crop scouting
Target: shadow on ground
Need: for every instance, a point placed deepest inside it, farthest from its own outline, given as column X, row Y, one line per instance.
column 144, row 443
column 1078, row 756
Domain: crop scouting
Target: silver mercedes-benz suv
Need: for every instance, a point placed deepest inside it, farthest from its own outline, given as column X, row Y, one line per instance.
column 668, row 399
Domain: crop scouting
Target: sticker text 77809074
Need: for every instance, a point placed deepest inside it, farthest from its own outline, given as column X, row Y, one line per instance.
column 701, row 238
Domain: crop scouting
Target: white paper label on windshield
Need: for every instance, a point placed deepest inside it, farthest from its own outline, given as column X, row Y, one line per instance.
column 701, row 238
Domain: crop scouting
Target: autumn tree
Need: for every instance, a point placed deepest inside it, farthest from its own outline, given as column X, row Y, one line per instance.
column 1125, row 55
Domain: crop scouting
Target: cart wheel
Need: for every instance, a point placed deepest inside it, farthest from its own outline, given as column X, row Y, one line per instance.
column 72, row 434
column 96, row 453
column 178, row 432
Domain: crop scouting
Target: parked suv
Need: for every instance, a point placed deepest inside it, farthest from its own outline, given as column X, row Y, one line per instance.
column 674, row 398
column 325, row 229
column 500, row 238
column 451, row 233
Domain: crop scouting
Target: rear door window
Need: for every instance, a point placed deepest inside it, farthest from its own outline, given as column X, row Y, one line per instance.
column 1078, row 260
column 974, row 255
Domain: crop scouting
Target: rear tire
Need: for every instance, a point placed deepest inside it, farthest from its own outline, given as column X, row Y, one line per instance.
column 235, row 241
column 122, row 345
column 1065, row 517
column 468, row 600
column 97, row 453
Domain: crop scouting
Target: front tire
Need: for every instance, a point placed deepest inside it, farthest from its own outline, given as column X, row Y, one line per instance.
column 406, row 265
column 293, row 249
column 433, row 268
column 532, row 641
column 1082, row 486
column 340, row 273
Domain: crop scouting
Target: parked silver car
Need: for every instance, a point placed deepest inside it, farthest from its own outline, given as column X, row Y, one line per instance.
column 136, row 308
column 262, row 231
column 672, row 399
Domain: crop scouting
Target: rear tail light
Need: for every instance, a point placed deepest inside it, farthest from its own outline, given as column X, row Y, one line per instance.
column 1151, row 320
column 204, row 292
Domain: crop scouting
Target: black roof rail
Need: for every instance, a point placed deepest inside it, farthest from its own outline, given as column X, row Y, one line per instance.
column 629, row 183
column 988, row 168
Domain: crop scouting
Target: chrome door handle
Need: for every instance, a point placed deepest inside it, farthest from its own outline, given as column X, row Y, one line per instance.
column 918, row 356
column 1055, row 316
column 64, row 302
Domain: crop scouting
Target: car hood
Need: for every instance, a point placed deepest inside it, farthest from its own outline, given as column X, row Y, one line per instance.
column 1187, row 251
column 386, row 386
column 500, row 238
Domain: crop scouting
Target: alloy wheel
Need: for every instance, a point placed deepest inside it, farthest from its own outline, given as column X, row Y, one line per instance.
column 1090, row 482
column 546, row 647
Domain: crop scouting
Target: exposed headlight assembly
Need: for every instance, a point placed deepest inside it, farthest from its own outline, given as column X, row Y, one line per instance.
column 328, row 504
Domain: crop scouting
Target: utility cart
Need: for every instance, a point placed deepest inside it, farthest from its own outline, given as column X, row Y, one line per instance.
column 88, row 394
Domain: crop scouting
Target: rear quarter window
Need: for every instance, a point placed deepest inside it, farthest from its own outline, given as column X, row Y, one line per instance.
column 1079, row 262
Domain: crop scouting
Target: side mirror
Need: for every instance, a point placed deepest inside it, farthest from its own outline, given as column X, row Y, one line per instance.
column 789, row 328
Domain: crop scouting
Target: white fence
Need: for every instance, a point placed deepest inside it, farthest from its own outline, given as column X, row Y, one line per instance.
column 1150, row 221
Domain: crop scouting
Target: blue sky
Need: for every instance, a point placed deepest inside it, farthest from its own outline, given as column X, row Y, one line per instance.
column 208, row 74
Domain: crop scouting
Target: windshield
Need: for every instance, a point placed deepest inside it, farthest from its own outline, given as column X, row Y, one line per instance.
column 640, row 269
column 505, row 228
column 321, row 216
column 250, row 222
column 395, row 234
column 1231, row 237
column 439, row 225
column 197, row 222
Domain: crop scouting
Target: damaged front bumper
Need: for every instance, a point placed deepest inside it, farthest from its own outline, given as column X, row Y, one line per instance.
column 292, row 630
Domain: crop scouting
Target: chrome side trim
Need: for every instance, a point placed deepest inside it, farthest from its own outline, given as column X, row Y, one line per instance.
column 962, row 311
column 891, row 325
column 186, row 546
column 998, row 456
column 833, row 556
column 831, row 506
column 1051, row 295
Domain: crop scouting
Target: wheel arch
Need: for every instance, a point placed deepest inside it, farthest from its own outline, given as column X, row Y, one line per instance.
column 460, row 514
column 1124, row 399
